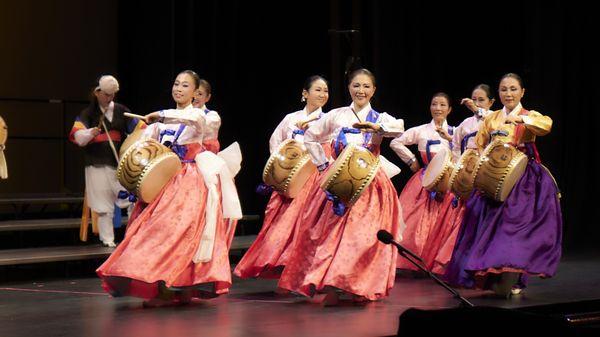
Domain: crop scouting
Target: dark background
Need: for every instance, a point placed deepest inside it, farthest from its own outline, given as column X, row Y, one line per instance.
column 258, row 54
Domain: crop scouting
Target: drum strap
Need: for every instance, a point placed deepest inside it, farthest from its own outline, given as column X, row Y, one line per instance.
column 450, row 130
column 498, row 133
column 341, row 142
column 451, row 133
column 338, row 206
column 297, row 132
column 465, row 141
column 180, row 150
column 428, row 150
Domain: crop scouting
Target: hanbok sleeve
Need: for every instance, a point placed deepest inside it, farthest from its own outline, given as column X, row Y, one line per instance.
column 318, row 133
column 399, row 145
column 278, row 135
column 190, row 117
column 537, row 123
column 213, row 121
column 391, row 126
column 457, row 138
column 151, row 131
column 483, row 134
column 82, row 137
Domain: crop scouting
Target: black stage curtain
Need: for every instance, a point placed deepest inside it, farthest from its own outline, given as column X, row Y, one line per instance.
column 257, row 55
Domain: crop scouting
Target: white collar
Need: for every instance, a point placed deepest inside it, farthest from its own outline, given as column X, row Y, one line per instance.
column 444, row 124
column 190, row 106
column 514, row 112
column 303, row 113
column 363, row 112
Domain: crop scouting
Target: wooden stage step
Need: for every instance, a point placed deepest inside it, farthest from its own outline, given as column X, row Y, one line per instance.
column 40, row 224
column 64, row 223
column 11, row 257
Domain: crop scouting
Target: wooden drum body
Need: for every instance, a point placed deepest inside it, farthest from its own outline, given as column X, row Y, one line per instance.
column 288, row 168
column 146, row 167
column 463, row 176
column 131, row 139
column 3, row 138
column 500, row 167
column 351, row 173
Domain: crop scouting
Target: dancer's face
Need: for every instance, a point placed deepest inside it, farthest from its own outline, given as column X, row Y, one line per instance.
column 440, row 108
column 183, row 90
column 361, row 90
column 317, row 96
column 510, row 92
column 481, row 99
column 201, row 97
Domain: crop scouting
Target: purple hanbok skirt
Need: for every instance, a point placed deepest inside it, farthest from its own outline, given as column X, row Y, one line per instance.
column 523, row 234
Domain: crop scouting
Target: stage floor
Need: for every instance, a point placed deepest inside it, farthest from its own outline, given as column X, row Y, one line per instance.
column 79, row 307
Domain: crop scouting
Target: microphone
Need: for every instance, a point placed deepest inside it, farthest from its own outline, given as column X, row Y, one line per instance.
column 387, row 238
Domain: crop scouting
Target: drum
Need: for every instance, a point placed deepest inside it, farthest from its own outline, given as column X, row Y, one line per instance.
column 288, row 168
column 351, row 173
column 463, row 175
column 3, row 138
column 500, row 167
column 3, row 133
column 131, row 138
column 437, row 173
column 146, row 167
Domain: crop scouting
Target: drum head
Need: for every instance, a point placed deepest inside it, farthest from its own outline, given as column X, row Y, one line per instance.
column 3, row 131
column 351, row 174
column 157, row 175
column 281, row 161
column 500, row 167
column 130, row 140
column 513, row 176
column 299, row 177
column 135, row 159
column 337, row 166
column 436, row 169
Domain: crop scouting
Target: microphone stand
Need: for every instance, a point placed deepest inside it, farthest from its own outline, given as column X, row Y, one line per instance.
column 463, row 301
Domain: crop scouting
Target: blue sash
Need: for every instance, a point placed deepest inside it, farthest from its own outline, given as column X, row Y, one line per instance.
column 341, row 142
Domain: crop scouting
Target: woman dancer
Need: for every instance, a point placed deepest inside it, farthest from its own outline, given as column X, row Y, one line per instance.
column 177, row 248
column 337, row 248
column 501, row 243
column 268, row 254
column 480, row 103
column 432, row 220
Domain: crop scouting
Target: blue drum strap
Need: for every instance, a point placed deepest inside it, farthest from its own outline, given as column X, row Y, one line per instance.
column 428, row 150
column 465, row 141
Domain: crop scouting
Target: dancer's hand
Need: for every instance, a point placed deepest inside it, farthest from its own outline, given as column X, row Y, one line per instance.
column 415, row 166
column 470, row 104
column 367, row 127
column 95, row 131
column 511, row 119
column 443, row 133
column 152, row 117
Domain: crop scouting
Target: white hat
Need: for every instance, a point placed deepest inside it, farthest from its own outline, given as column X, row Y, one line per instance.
column 108, row 84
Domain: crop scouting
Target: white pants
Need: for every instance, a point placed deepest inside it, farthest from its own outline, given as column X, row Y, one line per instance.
column 101, row 191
